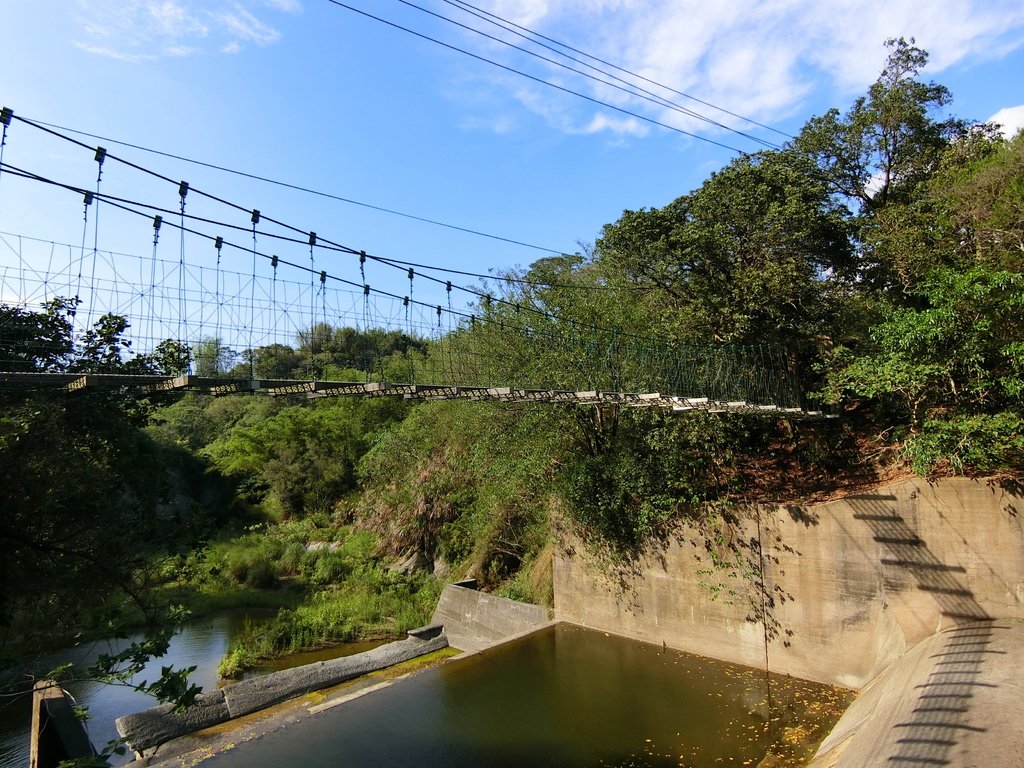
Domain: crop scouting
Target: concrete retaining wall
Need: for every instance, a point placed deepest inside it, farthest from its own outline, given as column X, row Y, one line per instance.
column 849, row 586
column 474, row 620
column 158, row 725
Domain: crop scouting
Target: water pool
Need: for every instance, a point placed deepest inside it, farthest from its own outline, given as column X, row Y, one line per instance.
column 564, row 696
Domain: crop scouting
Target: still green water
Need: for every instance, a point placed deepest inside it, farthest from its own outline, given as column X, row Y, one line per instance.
column 565, row 696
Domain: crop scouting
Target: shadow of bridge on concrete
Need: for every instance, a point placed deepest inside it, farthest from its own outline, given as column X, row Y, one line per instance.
column 941, row 715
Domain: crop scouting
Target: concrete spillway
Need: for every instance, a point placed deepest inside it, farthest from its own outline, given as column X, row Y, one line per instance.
column 158, row 725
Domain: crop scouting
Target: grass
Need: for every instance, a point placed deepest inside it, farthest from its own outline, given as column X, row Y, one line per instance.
column 326, row 580
column 369, row 604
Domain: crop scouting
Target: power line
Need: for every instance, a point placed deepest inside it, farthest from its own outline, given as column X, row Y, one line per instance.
column 625, row 87
column 536, row 79
column 499, row 21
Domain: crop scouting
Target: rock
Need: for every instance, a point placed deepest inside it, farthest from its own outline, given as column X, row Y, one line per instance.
column 441, row 569
column 414, row 561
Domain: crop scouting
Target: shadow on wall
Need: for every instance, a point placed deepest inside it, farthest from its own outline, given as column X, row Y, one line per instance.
column 940, row 716
column 909, row 552
column 941, row 712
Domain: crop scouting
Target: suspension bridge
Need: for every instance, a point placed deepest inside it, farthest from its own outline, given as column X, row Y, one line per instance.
column 253, row 304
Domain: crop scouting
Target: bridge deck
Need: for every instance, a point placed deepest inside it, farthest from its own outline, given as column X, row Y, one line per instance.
column 148, row 384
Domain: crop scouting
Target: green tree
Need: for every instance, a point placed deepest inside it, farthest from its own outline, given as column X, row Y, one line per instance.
column 37, row 340
column 942, row 356
column 275, row 361
column 324, row 347
column 80, row 482
column 304, row 458
column 212, row 358
column 889, row 141
column 878, row 156
column 744, row 258
column 954, row 368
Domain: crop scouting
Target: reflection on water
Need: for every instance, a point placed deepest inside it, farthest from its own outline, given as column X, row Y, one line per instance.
column 563, row 697
column 201, row 643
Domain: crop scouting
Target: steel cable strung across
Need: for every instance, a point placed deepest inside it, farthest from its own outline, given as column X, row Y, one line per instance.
column 486, row 351
column 132, row 206
column 101, row 155
column 503, row 342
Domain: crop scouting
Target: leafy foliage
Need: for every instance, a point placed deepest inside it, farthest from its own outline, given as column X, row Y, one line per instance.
column 304, row 457
column 88, row 499
column 463, row 483
column 743, row 258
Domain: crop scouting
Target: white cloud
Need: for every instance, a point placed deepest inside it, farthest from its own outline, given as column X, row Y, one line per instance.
column 627, row 126
column 140, row 30
column 1010, row 118
column 117, row 55
column 286, row 6
column 179, row 51
column 171, row 19
column 245, row 27
column 761, row 58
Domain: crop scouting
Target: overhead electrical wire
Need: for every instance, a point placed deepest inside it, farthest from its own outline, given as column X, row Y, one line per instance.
column 536, row 79
column 526, row 31
column 625, row 87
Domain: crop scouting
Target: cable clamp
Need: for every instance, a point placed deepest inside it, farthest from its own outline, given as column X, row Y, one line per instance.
column 182, row 189
column 88, row 198
column 101, row 155
column 366, row 290
column 312, row 238
column 5, row 116
column 323, row 278
column 218, row 243
column 255, row 216
column 273, row 261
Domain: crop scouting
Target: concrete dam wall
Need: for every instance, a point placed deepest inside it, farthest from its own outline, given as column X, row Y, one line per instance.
column 848, row 586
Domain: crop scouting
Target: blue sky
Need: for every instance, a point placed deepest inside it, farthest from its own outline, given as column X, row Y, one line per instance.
column 313, row 94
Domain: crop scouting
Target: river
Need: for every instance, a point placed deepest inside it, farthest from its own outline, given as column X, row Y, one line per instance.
column 201, row 643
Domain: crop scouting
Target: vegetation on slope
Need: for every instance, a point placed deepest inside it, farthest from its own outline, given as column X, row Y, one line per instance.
column 881, row 250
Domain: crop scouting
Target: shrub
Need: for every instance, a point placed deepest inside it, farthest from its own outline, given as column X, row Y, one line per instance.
column 329, row 568
column 254, row 569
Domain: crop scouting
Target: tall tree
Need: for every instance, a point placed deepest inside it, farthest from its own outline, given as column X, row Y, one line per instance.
column 890, row 140
column 745, row 257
